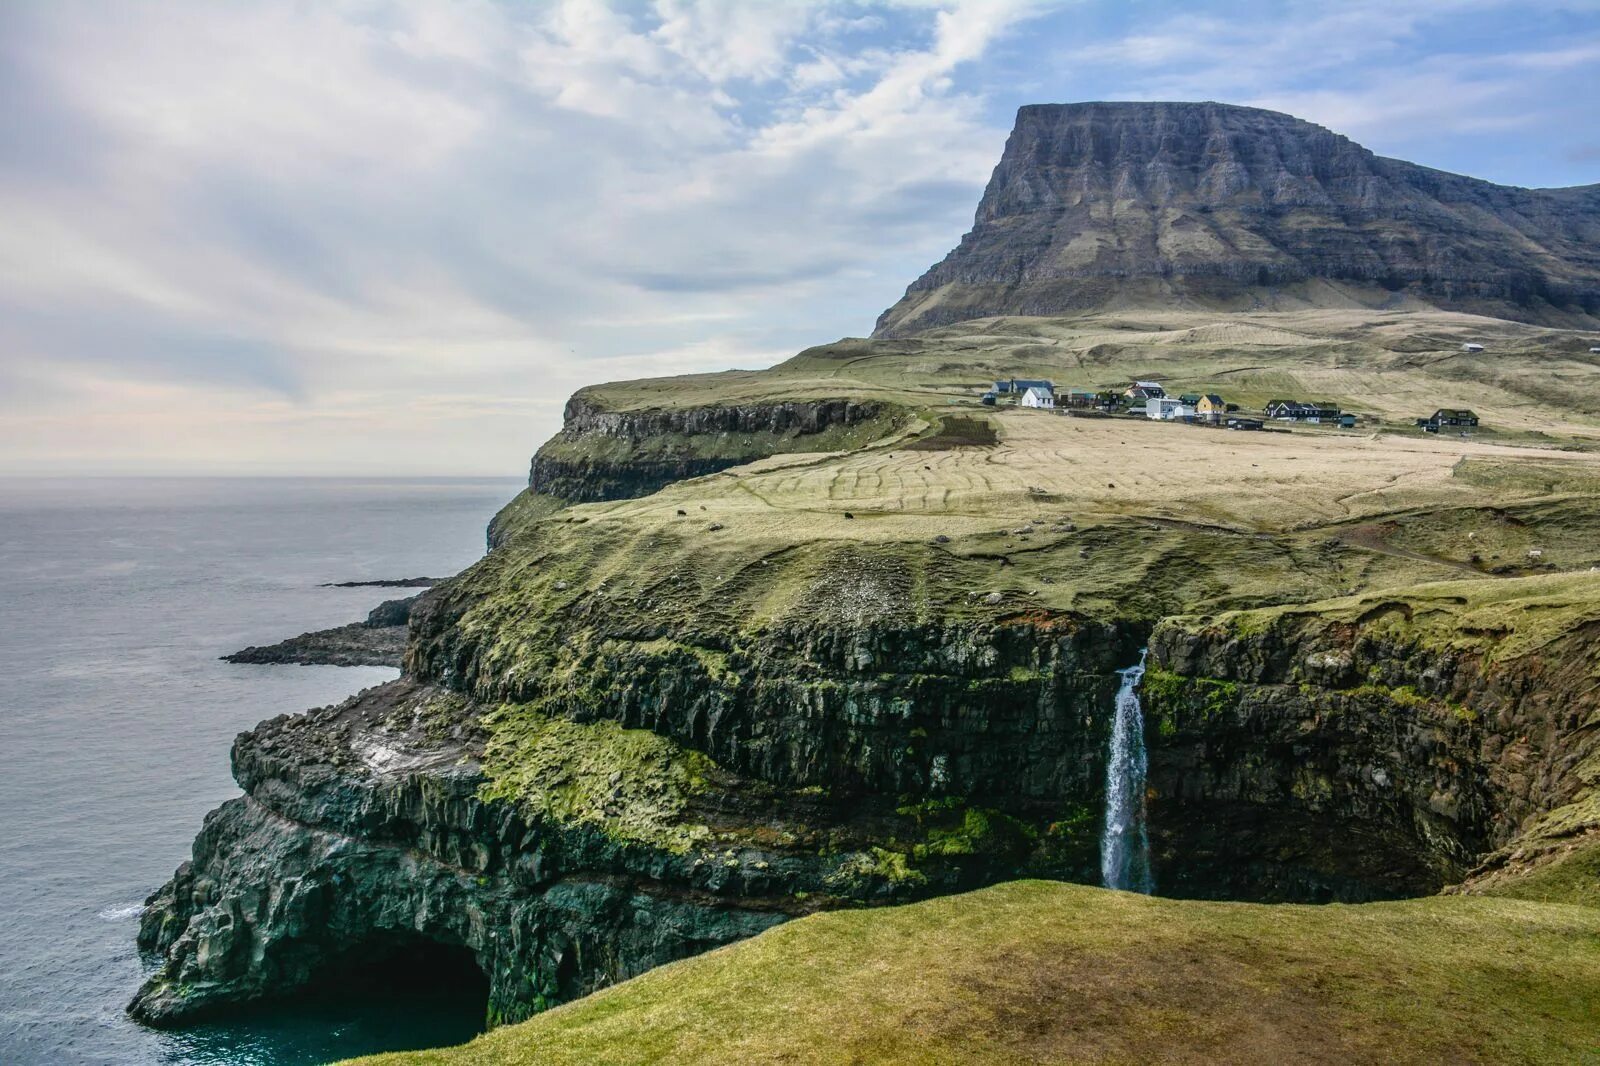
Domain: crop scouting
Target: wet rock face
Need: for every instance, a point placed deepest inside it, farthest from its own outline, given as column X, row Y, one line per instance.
column 1235, row 207
column 1318, row 761
column 619, row 455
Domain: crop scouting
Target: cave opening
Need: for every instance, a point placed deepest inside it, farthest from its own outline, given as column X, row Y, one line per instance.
column 399, row 965
column 389, row 991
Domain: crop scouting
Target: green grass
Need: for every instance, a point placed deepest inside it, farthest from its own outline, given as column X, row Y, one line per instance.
column 1503, row 618
column 1036, row 971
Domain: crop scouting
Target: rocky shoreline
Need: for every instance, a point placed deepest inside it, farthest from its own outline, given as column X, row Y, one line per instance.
column 380, row 640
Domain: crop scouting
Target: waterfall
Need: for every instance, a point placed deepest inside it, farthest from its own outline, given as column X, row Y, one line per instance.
column 1124, row 844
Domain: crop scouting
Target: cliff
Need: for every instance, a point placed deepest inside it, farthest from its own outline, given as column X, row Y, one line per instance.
column 1118, row 205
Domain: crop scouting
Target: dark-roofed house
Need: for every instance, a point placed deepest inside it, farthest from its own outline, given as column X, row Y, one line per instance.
column 1448, row 416
column 1018, row 386
column 1296, row 411
column 1210, row 407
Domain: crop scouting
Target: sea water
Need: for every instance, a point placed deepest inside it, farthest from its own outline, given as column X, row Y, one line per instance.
column 116, row 598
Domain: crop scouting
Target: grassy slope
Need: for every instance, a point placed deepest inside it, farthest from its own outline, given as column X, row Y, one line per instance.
column 1046, row 972
column 1391, row 366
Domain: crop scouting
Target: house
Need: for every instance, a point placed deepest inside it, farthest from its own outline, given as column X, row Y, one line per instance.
column 1470, row 347
column 1296, row 411
column 1168, row 409
column 1190, row 398
column 1144, row 390
column 1210, row 407
column 1448, row 416
column 1018, row 386
column 1039, row 396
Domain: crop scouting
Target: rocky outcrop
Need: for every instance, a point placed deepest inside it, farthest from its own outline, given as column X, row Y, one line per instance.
column 378, row 641
column 1208, row 205
column 579, row 834
column 363, row 822
column 616, row 455
column 1336, row 759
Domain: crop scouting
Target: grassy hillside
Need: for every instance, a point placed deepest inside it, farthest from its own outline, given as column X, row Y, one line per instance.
column 1044, row 972
column 1392, row 366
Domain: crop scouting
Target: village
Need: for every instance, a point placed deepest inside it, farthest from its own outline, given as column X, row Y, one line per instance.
column 1149, row 399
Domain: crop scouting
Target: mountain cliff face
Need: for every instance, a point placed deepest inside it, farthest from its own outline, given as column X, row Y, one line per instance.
column 1103, row 205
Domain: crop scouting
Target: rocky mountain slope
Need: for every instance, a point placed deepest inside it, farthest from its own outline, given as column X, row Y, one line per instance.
column 1117, row 205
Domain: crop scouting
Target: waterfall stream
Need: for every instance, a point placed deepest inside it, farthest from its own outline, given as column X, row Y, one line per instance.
column 1124, row 844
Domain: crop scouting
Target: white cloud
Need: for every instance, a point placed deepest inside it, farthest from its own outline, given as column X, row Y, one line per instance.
column 284, row 228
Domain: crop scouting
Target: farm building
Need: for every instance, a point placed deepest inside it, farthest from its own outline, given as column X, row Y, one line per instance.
column 1471, row 347
column 1245, row 423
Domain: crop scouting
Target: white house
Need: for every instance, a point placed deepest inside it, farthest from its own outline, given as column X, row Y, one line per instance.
column 1470, row 347
column 1038, row 396
column 1167, row 409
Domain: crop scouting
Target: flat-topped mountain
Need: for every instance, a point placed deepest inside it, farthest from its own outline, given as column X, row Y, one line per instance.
column 1205, row 205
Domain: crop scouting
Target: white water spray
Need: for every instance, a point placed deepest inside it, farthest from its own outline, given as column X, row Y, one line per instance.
column 1125, row 845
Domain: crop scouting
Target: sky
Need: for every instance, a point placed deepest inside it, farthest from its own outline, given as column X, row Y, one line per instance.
column 385, row 237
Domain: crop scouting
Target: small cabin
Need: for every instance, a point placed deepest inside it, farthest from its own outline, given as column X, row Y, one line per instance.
column 990, row 398
column 1471, row 347
column 1245, row 423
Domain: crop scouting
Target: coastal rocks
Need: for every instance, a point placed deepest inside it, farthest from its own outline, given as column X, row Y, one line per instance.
column 363, row 822
column 378, row 641
column 1204, row 204
column 553, row 856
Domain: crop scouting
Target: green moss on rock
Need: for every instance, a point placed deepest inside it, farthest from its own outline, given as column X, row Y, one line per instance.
column 632, row 784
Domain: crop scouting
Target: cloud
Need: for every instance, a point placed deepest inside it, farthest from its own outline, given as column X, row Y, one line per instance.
column 382, row 201
column 296, row 235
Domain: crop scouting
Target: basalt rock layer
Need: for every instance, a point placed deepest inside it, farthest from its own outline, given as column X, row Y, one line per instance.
column 1116, row 205
column 571, row 835
column 1361, row 756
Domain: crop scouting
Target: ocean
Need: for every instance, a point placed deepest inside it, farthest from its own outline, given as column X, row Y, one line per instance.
column 116, row 598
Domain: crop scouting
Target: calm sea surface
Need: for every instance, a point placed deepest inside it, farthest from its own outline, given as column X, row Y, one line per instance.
column 116, row 597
